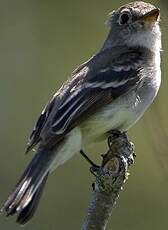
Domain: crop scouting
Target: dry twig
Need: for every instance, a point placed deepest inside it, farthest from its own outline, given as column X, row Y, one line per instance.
column 110, row 177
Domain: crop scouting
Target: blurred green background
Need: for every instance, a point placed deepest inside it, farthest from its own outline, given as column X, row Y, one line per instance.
column 41, row 42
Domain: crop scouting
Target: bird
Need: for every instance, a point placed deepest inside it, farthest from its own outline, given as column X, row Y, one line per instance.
column 110, row 91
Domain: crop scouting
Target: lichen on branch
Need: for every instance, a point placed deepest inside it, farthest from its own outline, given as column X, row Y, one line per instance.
column 110, row 178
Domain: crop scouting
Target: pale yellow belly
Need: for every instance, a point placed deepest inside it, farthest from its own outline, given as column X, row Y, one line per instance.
column 120, row 114
column 96, row 128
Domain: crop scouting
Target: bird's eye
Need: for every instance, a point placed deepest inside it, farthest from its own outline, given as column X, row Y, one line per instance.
column 124, row 18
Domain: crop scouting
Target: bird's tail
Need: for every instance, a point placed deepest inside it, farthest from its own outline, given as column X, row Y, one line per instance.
column 25, row 198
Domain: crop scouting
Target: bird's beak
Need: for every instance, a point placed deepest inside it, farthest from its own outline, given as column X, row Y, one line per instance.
column 151, row 17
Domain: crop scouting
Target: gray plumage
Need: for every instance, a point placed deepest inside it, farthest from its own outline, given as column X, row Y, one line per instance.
column 110, row 91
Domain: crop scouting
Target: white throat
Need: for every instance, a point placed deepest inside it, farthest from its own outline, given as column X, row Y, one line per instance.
column 150, row 39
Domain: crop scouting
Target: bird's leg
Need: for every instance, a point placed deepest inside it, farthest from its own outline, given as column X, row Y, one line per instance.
column 94, row 167
column 88, row 159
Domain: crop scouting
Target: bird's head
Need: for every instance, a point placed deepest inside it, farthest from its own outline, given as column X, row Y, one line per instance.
column 135, row 24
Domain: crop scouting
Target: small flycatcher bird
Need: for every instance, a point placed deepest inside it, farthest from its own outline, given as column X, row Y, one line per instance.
column 110, row 91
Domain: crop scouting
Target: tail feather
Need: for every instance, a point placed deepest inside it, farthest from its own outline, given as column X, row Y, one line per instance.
column 25, row 198
column 27, row 213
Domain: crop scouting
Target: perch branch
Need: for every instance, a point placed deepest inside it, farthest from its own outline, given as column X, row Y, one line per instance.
column 110, row 177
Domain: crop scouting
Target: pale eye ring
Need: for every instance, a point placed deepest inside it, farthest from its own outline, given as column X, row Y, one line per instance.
column 124, row 18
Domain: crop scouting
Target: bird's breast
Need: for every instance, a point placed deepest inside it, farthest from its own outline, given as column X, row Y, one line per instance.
column 120, row 114
column 116, row 115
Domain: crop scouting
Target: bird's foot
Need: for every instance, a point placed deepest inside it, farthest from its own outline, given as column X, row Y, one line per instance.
column 95, row 170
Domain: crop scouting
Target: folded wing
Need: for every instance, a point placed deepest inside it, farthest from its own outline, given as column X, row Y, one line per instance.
column 86, row 92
